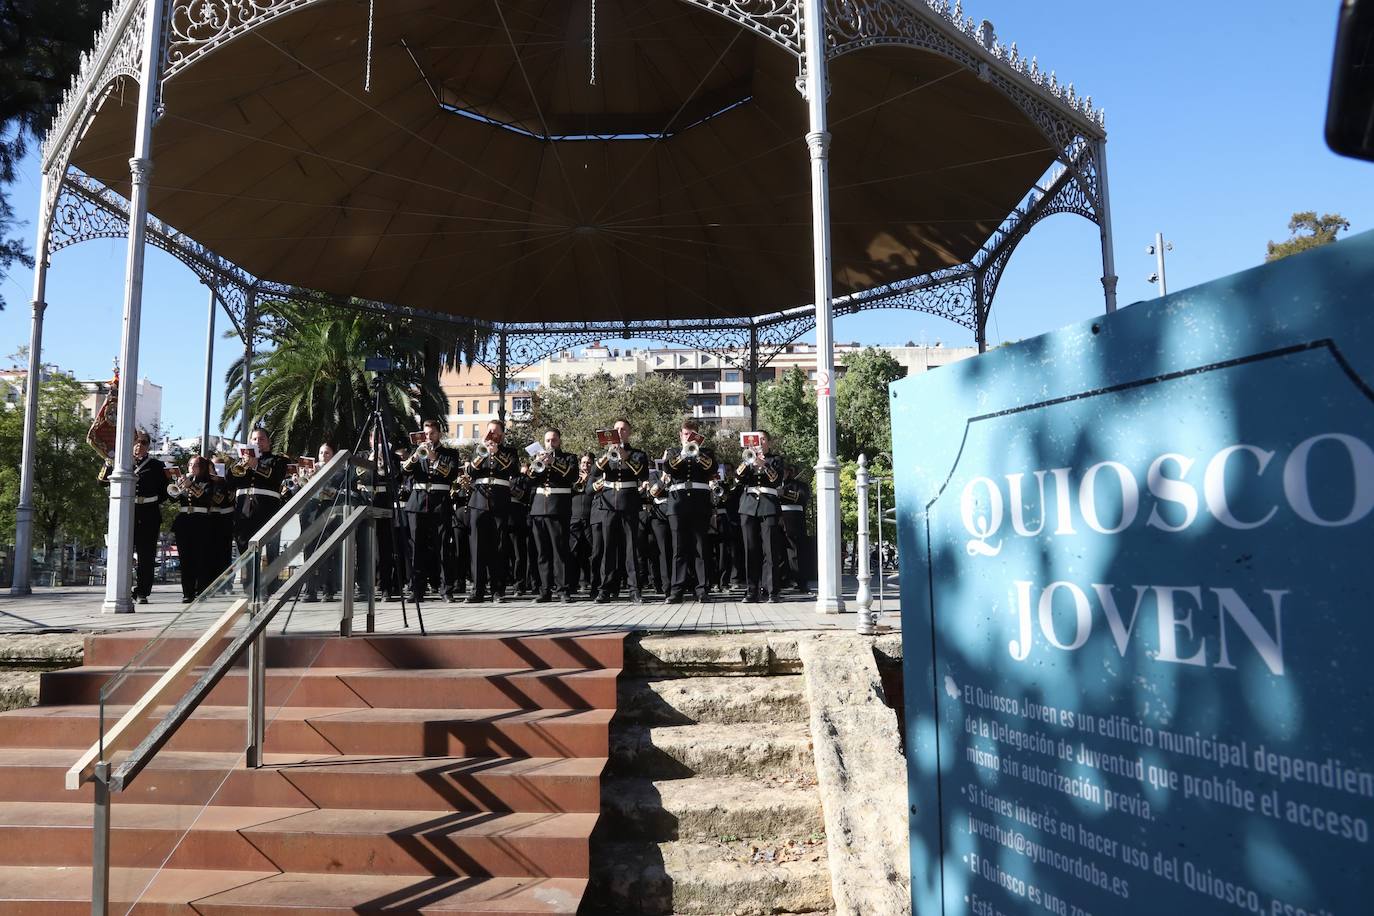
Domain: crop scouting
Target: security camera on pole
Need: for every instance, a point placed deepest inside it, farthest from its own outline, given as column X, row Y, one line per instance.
column 1157, row 249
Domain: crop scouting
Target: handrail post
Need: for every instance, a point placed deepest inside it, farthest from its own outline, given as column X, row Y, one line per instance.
column 349, row 555
column 882, row 552
column 100, row 839
column 370, row 545
column 864, row 598
column 256, row 671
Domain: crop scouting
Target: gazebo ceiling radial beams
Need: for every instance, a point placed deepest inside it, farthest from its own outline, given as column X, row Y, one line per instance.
column 681, row 189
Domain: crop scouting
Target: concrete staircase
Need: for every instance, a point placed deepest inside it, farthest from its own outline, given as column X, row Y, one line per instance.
column 710, row 804
column 447, row 774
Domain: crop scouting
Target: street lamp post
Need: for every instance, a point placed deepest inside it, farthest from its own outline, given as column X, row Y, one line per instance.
column 1157, row 249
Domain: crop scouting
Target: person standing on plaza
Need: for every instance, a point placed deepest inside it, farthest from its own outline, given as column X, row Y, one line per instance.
column 257, row 479
column 553, row 473
column 758, row 513
column 201, row 495
column 584, row 559
column 431, row 471
column 620, row 471
column 325, row 577
column 690, row 467
column 519, row 540
column 793, row 496
column 491, row 470
column 150, row 491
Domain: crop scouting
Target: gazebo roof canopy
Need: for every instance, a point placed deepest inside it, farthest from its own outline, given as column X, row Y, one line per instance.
column 485, row 175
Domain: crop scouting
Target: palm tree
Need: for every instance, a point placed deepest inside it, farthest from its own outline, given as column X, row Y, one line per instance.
column 311, row 385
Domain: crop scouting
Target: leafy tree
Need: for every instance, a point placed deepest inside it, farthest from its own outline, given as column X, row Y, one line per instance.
column 1307, row 230
column 41, row 42
column 69, row 504
column 862, row 414
column 311, row 384
column 580, row 405
column 787, row 409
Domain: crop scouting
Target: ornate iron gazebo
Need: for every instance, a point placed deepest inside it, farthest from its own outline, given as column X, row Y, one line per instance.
column 689, row 221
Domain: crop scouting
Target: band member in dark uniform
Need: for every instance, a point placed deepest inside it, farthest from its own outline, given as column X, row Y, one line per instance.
column 553, row 473
column 792, row 498
column 257, row 480
column 325, row 577
column 491, row 468
column 729, row 547
column 758, row 515
column 462, row 534
column 200, row 494
column 583, row 564
column 690, row 469
column 655, row 537
column 150, row 491
column 620, row 471
column 431, row 471
column 378, row 534
column 519, row 540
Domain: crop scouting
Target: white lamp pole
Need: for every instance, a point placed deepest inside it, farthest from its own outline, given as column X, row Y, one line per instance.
column 867, row 624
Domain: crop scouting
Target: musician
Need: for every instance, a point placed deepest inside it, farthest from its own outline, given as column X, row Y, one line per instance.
column 619, row 472
column 431, row 470
column 690, row 470
column 324, row 503
column 257, row 480
column 553, row 473
column 462, row 534
column 199, row 494
column 222, row 523
column 792, row 499
column 655, row 542
column 378, row 534
column 729, row 547
column 758, row 514
column 584, row 565
column 150, row 491
column 487, row 512
column 519, row 540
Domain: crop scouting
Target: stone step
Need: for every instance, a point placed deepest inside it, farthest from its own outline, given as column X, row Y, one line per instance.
column 711, row 655
column 302, row 841
column 399, row 651
column 66, row 891
column 529, row 784
column 718, row 700
column 698, row 878
column 383, row 688
column 709, row 807
column 743, row 749
column 18, row 688
column 314, row 730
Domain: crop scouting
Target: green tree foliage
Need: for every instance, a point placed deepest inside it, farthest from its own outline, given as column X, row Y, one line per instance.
column 310, row 385
column 787, row 409
column 862, row 414
column 41, row 42
column 69, row 504
column 580, row 405
column 1307, row 230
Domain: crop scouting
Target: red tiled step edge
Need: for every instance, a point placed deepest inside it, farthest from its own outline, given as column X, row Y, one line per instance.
column 444, row 688
column 530, row 784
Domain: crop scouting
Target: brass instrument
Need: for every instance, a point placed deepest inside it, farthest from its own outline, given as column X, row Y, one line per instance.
column 540, row 464
column 749, row 456
column 482, row 451
column 465, row 483
column 717, row 490
column 175, row 489
column 691, row 449
column 580, row 485
column 615, row 454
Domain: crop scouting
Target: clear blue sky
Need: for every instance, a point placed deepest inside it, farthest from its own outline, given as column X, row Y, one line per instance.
column 1214, row 118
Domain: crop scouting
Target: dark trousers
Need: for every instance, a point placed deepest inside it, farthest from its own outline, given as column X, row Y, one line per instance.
column 691, row 542
column 462, row 545
column 147, row 525
column 487, row 535
column 518, row 548
column 389, row 577
column 794, row 536
column 598, row 557
column 579, row 554
column 620, row 545
column 551, row 547
column 662, row 567
column 190, row 531
column 760, row 534
column 427, row 533
column 727, row 533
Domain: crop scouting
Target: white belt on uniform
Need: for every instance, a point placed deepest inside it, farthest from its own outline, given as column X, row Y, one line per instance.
column 758, row 491
column 497, row 481
column 144, row 500
column 555, row 491
column 437, row 487
column 689, row 485
column 190, row 509
column 621, row 485
column 792, row 508
column 227, row 510
column 259, row 491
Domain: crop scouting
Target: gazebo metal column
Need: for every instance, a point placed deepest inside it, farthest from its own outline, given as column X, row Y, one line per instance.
column 828, row 600
column 119, row 566
column 753, row 378
column 504, row 366
column 1104, row 225
column 209, row 374
column 250, row 326
column 23, row 529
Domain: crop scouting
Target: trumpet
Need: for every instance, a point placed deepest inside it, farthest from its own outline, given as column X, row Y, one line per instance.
column 540, row 464
column 482, row 452
column 749, row 456
column 691, row 449
column 717, row 490
column 615, row 453
column 580, row 486
column 465, row 483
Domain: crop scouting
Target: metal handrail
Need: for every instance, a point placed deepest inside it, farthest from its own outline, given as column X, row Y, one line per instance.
column 290, row 510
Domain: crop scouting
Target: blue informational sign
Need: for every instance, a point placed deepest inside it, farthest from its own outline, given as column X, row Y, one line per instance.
column 1137, row 610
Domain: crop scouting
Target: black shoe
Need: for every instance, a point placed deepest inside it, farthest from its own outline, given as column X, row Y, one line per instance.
column 329, row 597
column 186, row 599
column 775, row 599
column 476, row 598
column 310, row 598
column 636, row 597
column 142, row 599
column 602, row 598
column 703, row 596
column 751, row 597
column 567, row 598
column 498, row 597
column 673, row 599
column 448, row 598
column 544, row 598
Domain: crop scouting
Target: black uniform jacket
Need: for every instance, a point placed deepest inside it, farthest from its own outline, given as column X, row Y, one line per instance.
column 689, row 483
column 620, row 481
column 259, row 488
column 150, row 481
column 431, row 479
column 761, row 487
column 794, row 492
column 491, row 480
column 582, row 497
column 553, row 486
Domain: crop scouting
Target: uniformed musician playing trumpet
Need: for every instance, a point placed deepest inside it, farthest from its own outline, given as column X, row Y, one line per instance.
column 491, row 468
column 257, row 480
column 431, row 471
column 619, row 472
column 691, row 468
column 553, row 472
column 760, row 474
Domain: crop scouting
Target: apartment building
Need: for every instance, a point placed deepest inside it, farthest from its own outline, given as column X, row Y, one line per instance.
column 717, row 386
column 147, row 411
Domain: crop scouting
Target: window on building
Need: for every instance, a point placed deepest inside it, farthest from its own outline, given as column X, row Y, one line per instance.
column 731, row 375
column 475, row 407
column 459, row 405
column 732, row 400
column 522, row 406
column 475, row 433
column 709, row 410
